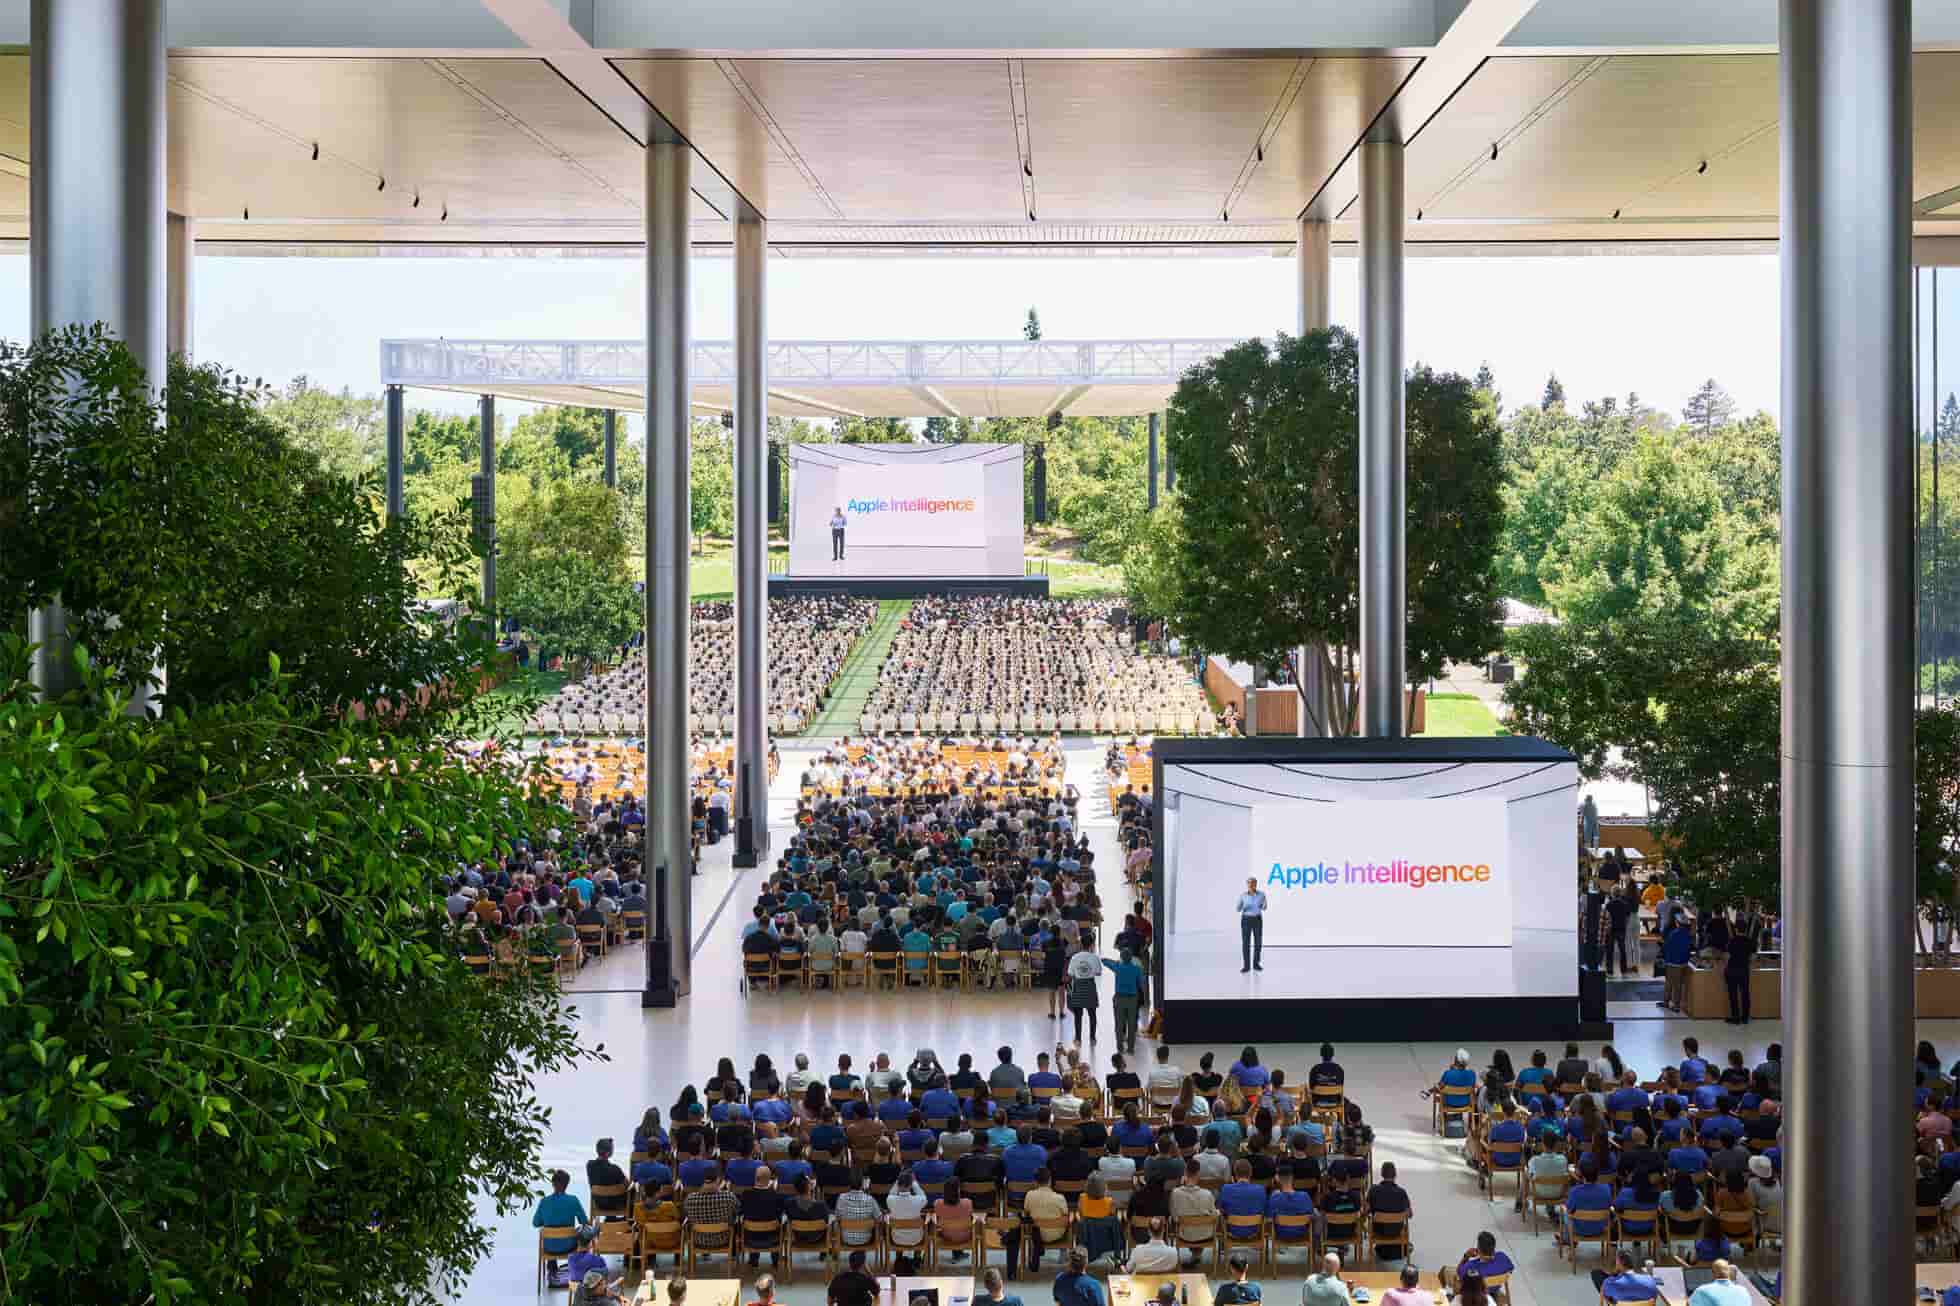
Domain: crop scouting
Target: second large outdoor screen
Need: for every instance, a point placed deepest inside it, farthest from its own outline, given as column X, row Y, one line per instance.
column 905, row 510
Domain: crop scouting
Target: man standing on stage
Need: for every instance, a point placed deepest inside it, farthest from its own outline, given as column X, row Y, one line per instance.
column 837, row 534
column 1252, row 926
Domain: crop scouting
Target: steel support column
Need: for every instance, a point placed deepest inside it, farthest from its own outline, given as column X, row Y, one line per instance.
column 180, row 283
column 96, row 124
column 397, row 441
column 1152, row 460
column 667, row 523
column 1384, row 609
column 1848, row 846
column 1170, row 468
column 611, row 469
column 1311, row 256
column 486, row 435
column 751, row 537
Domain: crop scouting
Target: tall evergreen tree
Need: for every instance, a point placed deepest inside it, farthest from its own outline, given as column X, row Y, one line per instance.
column 1708, row 408
column 1032, row 328
column 1554, row 393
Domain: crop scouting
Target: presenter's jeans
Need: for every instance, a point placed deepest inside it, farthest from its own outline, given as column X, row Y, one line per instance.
column 1252, row 939
column 837, row 546
column 1738, row 994
column 1126, row 1022
column 1676, row 996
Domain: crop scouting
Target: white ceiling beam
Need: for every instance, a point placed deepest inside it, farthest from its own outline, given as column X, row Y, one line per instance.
column 1067, row 396
column 937, row 400
column 822, row 406
column 1940, row 200
column 1478, row 29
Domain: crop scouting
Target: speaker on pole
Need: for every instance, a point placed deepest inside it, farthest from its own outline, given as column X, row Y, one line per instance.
column 1041, row 484
column 659, row 991
column 775, row 483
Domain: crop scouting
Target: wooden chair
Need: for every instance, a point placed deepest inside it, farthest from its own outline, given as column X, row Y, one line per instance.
column 557, row 1233
column 1344, row 1232
column 614, row 1197
column 884, row 966
column 793, row 970
column 633, row 925
column 776, row 1229
column 1390, row 1229
column 1326, row 1103
column 1679, row 1229
column 616, row 1238
column 808, row 1236
column 950, row 964
column 758, row 972
column 1503, row 1158
column 480, row 963
column 1547, row 1195
column 993, row 1238
column 1071, row 1190
column 874, row 1250
column 1017, row 1192
column 658, row 1238
column 1289, row 1231
column 1045, row 1093
column 936, row 1240
column 1739, row 1227
column 895, row 1225
column 696, row 1248
column 593, row 939
column 1055, row 1235
column 567, row 961
column 1603, row 1217
column 1118, row 1098
column 1199, row 1239
column 1245, row 1231
column 921, row 975
column 984, row 1196
column 1442, row 1113
column 853, row 968
column 1638, row 1229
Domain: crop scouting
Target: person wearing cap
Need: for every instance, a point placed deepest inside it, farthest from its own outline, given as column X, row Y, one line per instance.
column 1458, row 1084
column 584, row 1260
column 1766, row 1196
column 594, row 1286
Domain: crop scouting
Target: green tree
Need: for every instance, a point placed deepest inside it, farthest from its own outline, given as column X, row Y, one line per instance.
column 230, row 1087
column 1265, row 440
column 207, row 533
column 1656, row 539
column 573, row 518
column 1538, row 503
column 343, row 429
column 1554, row 393
column 432, row 441
column 1031, row 329
column 1708, row 409
column 574, row 607
column 577, row 433
column 1486, row 381
column 711, row 481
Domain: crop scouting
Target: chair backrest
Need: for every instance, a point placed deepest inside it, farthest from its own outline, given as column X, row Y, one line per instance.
column 1601, row 1217
column 663, row 1234
column 557, row 1233
column 770, row 1226
column 1303, row 1224
column 847, row 1228
column 809, row 1231
column 1343, row 1227
column 916, row 1224
column 593, row 934
column 606, row 1193
column 1737, row 1223
column 1245, row 1228
column 718, row 1229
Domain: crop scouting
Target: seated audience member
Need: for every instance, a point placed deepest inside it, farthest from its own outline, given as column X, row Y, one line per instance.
column 1589, row 1194
column 1408, row 1291
column 1240, row 1291
column 1484, row 1259
column 600, row 1172
column 1712, row 1245
column 558, row 1210
column 1627, row 1282
column 1325, row 1287
column 1725, row 1289
column 1074, row 1286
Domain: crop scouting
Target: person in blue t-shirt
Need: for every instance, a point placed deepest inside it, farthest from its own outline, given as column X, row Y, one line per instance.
column 1723, row 1122
column 559, row 1210
column 1627, row 1283
column 1484, row 1260
column 894, row 1109
column 1459, row 1082
column 1712, row 1245
column 652, row 1174
column 1627, row 1097
column 1043, row 1077
column 939, row 1104
column 1589, row 1194
column 933, row 1168
column 694, row 1170
column 1285, row 1199
column 1132, row 1131
column 774, row 1110
column 792, row 1167
column 1242, row 1197
column 1688, row 1159
column 1694, row 1070
column 1673, row 1127
column 1023, row 1157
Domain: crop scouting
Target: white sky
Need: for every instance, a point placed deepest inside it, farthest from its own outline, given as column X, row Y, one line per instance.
column 1606, row 325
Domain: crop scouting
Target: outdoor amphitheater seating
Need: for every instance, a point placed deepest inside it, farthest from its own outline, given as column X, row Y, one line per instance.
column 809, row 640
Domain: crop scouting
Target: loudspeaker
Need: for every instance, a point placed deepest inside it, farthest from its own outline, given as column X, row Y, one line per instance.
column 1040, row 484
column 1592, row 997
column 775, row 484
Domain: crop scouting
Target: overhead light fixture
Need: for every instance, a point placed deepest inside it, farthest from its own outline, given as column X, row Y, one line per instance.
column 1616, row 215
column 383, row 185
column 1493, row 151
column 316, row 151
column 1027, row 167
column 445, row 211
column 1418, row 215
column 1259, row 153
column 418, row 201
column 248, row 213
column 1224, row 215
column 1031, row 216
column 1703, row 168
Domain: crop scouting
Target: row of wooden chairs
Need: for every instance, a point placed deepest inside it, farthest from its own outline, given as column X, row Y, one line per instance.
column 949, row 969
column 592, row 940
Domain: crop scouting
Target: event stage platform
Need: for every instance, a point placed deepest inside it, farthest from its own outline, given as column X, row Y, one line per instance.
column 907, row 587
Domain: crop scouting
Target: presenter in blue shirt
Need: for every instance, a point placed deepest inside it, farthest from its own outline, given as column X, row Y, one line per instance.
column 1252, row 926
column 837, row 524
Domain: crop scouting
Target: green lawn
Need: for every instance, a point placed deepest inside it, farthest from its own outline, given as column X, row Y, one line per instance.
column 1069, row 578
column 1458, row 715
column 525, row 681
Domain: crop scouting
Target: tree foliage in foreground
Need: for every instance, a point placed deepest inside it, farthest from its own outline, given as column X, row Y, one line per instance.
column 241, row 1060
column 574, row 608
column 1266, row 445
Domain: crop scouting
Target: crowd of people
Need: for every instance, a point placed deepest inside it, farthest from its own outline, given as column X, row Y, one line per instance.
column 809, row 640
column 1143, row 1167
column 986, row 663
column 885, row 767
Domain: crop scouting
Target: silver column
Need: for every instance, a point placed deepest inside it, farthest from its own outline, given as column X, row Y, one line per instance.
column 1151, row 460
column 1845, row 248
column 180, row 283
column 668, row 347
column 751, row 537
column 1170, row 468
column 96, row 207
column 610, row 471
column 397, row 440
column 1384, row 610
column 1310, row 266
column 486, row 434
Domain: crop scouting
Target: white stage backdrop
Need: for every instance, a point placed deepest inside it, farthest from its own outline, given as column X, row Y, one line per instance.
column 909, row 510
column 1401, row 879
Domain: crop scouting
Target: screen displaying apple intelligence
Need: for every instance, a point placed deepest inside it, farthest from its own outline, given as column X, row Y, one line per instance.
column 1405, row 879
column 904, row 510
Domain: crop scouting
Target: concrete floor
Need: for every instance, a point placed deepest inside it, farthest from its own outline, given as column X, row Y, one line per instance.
column 653, row 1053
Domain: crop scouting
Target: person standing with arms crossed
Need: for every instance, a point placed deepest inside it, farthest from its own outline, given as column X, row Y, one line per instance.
column 1252, row 926
column 837, row 525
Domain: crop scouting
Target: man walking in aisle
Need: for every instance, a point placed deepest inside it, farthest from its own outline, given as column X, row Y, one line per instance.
column 1252, row 926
